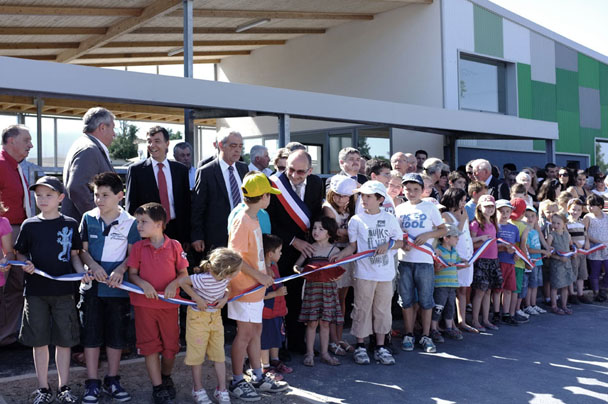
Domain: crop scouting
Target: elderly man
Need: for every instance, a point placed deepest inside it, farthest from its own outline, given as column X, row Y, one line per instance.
column 16, row 145
column 301, row 189
column 87, row 157
column 482, row 171
column 259, row 159
column 216, row 192
column 349, row 159
column 404, row 162
column 182, row 153
column 433, row 168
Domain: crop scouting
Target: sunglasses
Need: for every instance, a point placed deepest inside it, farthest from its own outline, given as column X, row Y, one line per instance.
column 564, row 174
column 281, row 168
column 299, row 172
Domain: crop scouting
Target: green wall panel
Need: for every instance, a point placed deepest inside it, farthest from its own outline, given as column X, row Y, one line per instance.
column 538, row 145
column 543, row 101
column 566, row 90
column 524, row 90
column 488, row 32
column 603, row 84
column 569, row 131
column 604, row 112
column 587, row 142
column 588, row 72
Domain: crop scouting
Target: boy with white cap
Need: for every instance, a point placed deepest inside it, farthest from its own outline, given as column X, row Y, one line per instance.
column 374, row 228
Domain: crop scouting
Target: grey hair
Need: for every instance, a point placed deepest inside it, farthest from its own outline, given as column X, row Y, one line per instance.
column 12, row 131
column 95, row 117
column 481, row 164
column 257, row 151
column 222, row 136
column 346, row 151
column 433, row 165
column 522, row 176
column 293, row 146
column 182, row 146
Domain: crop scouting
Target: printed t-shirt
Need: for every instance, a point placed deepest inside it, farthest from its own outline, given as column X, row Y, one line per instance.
column 492, row 251
column 245, row 237
column 534, row 243
column 209, row 288
column 510, row 233
column 49, row 244
column 370, row 231
column 448, row 276
column 108, row 245
column 158, row 266
column 415, row 220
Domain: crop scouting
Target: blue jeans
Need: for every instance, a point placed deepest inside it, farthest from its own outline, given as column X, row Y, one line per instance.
column 416, row 276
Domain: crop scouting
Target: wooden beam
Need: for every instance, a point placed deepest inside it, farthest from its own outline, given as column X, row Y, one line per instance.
column 56, row 10
column 151, row 63
column 273, row 14
column 52, row 30
column 171, row 44
column 109, row 56
column 156, row 9
column 39, row 45
column 228, row 30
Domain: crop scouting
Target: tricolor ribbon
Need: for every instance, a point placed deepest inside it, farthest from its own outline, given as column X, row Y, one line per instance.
column 525, row 258
column 595, row 248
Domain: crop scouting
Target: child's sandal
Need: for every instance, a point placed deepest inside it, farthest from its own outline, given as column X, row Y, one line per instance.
column 309, row 360
column 346, row 346
column 336, row 349
column 330, row 360
column 557, row 310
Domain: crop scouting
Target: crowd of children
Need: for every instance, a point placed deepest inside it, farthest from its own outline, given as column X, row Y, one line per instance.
column 417, row 246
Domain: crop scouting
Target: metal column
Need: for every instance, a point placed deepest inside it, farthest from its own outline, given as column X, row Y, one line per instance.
column 39, row 102
column 188, row 67
column 449, row 150
column 550, row 150
column 284, row 130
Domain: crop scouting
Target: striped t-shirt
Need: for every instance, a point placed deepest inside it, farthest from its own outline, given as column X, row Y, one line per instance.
column 207, row 287
column 448, row 276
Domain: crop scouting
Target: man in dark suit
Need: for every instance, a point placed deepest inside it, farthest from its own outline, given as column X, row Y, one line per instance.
column 157, row 179
column 309, row 189
column 349, row 159
column 216, row 192
column 482, row 171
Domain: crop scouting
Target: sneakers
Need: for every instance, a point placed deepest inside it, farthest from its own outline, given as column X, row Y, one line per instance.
column 268, row 384
column 522, row 314
column 42, row 396
column 453, row 333
column 169, row 386
column 360, row 356
column 112, row 387
column 242, row 390
column 496, row 318
column 508, row 320
column 436, row 336
column 408, row 343
column 221, row 397
column 160, row 395
column 540, row 310
column 383, row 355
column 92, row 391
column 65, row 396
column 427, row 344
column 531, row 311
column 201, row 397
column 520, row 319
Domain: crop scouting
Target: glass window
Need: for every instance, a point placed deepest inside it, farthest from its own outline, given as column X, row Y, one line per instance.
column 48, row 141
column 316, row 153
column 68, row 130
column 248, row 143
column 336, row 143
column 601, row 155
column 482, row 84
column 375, row 143
column 7, row 120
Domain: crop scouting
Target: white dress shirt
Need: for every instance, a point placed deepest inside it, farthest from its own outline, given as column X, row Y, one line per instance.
column 168, row 179
column 192, row 177
column 267, row 171
column 224, row 166
column 302, row 191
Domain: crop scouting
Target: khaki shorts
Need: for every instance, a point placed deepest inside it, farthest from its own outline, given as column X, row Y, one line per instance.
column 204, row 335
column 372, row 308
column 579, row 267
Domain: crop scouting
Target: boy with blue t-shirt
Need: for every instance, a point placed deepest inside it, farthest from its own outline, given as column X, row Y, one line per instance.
column 107, row 234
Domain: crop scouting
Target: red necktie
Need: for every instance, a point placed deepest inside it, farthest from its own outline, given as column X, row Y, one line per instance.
column 162, row 190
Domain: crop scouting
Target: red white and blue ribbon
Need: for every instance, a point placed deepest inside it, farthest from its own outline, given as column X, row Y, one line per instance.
column 291, row 202
column 524, row 257
column 595, row 248
column 463, row 264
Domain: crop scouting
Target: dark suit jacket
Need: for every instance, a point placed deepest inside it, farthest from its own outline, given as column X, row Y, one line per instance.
column 211, row 206
column 493, row 188
column 284, row 227
column 142, row 188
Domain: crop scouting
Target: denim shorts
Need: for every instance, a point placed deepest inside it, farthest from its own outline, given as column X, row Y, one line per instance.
column 104, row 321
column 416, row 276
column 525, row 284
column 536, row 277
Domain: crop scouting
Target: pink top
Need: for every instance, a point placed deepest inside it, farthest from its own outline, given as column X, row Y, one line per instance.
column 5, row 228
column 489, row 229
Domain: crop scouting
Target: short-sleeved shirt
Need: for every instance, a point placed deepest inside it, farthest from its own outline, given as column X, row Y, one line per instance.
column 5, row 228
column 108, row 245
column 245, row 237
column 370, row 231
column 48, row 244
column 577, row 232
column 448, row 276
column 274, row 307
column 533, row 242
column 490, row 230
column 415, row 220
column 470, row 208
column 209, row 288
column 158, row 266
column 263, row 218
column 508, row 232
column 521, row 226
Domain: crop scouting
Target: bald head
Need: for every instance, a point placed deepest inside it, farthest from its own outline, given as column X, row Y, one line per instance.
column 299, row 166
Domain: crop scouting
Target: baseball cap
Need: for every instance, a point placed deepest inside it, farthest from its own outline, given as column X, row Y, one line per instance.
column 452, row 230
column 342, row 185
column 486, row 200
column 532, row 208
column 50, row 182
column 501, row 203
column 413, row 177
column 257, row 184
column 372, row 187
column 519, row 207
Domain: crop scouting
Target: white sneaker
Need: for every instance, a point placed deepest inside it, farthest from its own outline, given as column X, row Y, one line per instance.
column 360, row 356
column 539, row 309
column 200, row 397
column 383, row 356
column 221, row 396
column 530, row 310
column 521, row 313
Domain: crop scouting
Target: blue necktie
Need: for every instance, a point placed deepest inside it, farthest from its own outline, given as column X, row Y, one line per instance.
column 234, row 187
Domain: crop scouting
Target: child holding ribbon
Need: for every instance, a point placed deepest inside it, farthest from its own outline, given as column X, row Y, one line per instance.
column 537, row 248
column 561, row 268
column 596, row 223
column 576, row 228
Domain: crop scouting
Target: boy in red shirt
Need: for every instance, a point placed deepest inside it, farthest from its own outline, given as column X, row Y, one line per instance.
column 156, row 264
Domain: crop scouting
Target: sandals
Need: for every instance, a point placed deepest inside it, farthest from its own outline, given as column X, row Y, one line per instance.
column 566, row 310
column 280, row 367
column 336, row 349
column 468, row 328
column 481, row 328
column 491, row 327
column 346, row 346
column 557, row 310
column 309, row 360
column 330, row 360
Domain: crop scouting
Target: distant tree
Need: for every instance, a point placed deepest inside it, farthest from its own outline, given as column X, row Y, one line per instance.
column 124, row 146
column 600, row 158
column 174, row 135
column 364, row 147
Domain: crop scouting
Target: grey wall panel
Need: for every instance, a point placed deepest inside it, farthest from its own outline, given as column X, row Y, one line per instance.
column 589, row 104
column 542, row 56
column 565, row 58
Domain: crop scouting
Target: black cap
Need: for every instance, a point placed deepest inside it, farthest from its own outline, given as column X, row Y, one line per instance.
column 50, row 182
column 413, row 177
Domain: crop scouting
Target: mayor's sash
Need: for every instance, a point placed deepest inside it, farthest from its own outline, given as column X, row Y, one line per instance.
column 291, row 202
